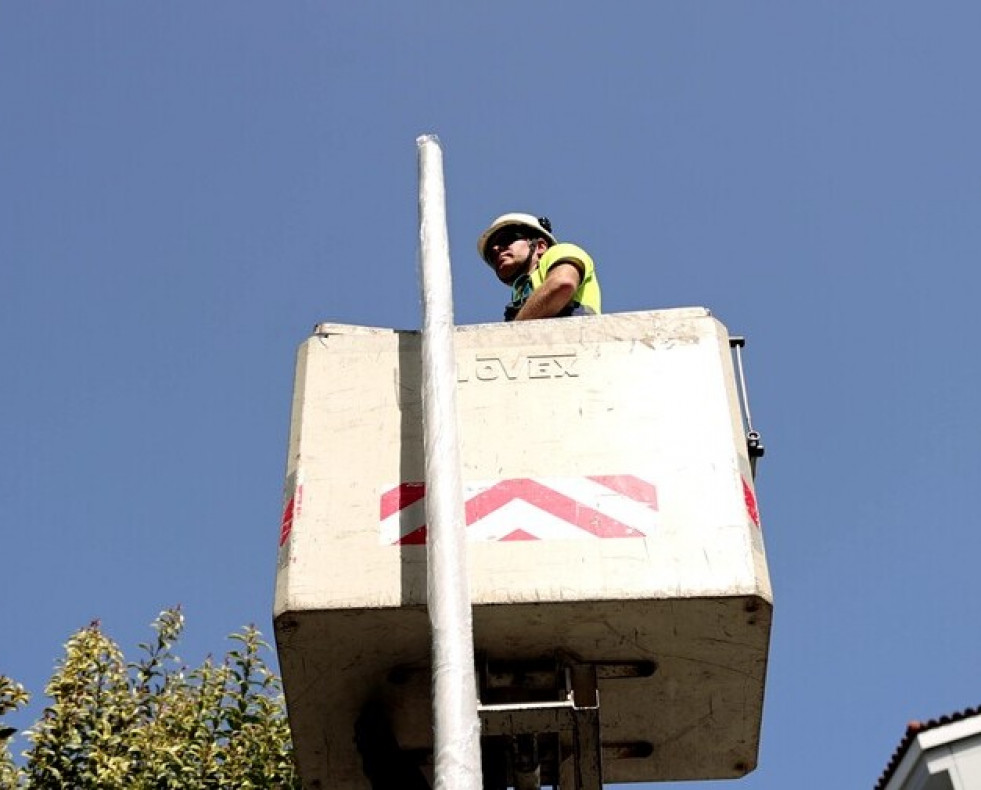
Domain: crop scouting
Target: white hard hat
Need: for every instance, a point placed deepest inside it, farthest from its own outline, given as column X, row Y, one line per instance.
column 540, row 225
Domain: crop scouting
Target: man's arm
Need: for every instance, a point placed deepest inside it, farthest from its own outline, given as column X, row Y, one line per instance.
column 554, row 294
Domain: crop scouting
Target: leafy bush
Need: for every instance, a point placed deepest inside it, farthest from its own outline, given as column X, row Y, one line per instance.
column 153, row 724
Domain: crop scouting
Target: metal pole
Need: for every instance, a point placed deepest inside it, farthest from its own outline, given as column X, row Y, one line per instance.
column 456, row 724
column 754, row 442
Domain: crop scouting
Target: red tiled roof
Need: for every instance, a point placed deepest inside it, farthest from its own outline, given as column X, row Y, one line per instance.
column 913, row 729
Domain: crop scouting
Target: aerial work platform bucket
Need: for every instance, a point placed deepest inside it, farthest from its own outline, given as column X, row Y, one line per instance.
column 612, row 527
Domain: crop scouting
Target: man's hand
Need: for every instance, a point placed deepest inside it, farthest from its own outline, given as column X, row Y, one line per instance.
column 555, row 293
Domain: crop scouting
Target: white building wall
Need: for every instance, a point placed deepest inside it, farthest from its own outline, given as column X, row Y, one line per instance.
column 947, row 757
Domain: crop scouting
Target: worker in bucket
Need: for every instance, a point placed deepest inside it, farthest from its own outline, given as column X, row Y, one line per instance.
column 548, row 279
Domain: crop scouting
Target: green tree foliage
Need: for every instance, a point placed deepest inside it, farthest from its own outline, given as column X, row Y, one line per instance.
column 153, row 724
column 12, row 697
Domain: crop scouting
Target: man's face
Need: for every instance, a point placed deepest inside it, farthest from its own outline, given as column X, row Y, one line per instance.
column 510, row 252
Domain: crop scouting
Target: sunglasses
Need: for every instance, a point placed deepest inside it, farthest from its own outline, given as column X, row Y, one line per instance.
column 505, row 237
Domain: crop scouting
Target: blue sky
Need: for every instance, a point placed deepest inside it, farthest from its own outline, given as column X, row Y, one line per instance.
column 186, row 188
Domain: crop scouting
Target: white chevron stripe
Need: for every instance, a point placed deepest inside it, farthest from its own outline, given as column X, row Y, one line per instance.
column 524, row 516
column 608, row 502
column 402, row 522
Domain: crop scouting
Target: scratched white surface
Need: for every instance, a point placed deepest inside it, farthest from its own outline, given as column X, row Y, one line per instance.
column 646, row 395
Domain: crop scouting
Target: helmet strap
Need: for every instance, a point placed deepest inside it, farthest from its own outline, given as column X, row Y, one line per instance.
column 526, row 265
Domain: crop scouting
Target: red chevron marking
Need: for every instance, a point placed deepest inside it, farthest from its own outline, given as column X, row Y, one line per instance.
column 751, row 507
column 286, row 525
column 631, row 487
column 400, row 498
column 559, row 505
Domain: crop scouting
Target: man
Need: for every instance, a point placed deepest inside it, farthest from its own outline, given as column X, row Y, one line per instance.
column 547, row 279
